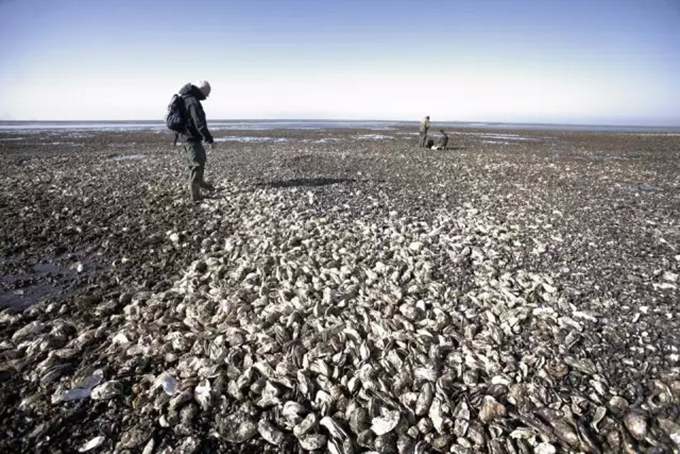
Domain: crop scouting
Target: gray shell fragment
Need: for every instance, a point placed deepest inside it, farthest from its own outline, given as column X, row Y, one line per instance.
column 90, row 381
column 190, row 445
column 306, row 426
column 294, row 412
column 333, row 428
column 636, row 423
column 545, row 448
column 82, row 390
column 202, row 394
column 671, row 428
column 71, row 394
column 236, row 428
column 424, row 399
column 107, row 391
column 312, row 442
column 436, row 415
column 491, row 409
column 148, row 449
column 270, row 433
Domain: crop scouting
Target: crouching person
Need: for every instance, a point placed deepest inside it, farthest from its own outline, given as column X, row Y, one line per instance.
column 194, row 134
column 442, row 141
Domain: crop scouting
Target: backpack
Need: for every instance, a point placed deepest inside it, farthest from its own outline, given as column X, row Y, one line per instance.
column 175, row 119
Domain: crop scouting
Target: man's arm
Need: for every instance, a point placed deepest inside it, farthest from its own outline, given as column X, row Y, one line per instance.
column 199, row 121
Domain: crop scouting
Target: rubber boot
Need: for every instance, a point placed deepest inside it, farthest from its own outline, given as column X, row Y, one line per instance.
column 201, row 180
column 195, row 193
column 207, row 186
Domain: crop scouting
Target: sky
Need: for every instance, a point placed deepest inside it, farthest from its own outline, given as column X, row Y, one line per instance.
column 539, row 61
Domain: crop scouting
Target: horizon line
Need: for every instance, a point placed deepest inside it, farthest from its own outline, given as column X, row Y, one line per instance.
column 360, row 120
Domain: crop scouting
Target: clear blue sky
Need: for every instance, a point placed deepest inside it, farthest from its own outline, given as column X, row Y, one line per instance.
column 576, row 61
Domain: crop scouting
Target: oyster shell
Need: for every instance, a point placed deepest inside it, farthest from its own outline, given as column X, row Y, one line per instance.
column 636, row 423
column 92, row 444
column 236, row 428
column 386, row 422
column 491, row 409
column 312, row 442
column 270, row 433
column 424, row 399
column 107, row 390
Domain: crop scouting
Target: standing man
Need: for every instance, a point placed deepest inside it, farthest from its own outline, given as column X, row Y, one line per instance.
column 195, row 132
column 424, row 126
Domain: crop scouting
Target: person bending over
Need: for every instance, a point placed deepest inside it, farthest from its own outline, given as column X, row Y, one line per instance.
column 442, row 141
column 195, row 132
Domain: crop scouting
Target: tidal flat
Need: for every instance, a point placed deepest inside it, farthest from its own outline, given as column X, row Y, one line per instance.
column 342, row 290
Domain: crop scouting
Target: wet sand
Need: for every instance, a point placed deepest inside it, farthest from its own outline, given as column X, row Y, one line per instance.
column 89, row 217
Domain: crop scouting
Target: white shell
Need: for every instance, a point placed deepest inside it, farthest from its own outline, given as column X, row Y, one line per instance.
column 92, row 444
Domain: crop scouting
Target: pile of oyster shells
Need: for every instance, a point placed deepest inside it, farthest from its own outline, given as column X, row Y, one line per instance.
column 320, row 328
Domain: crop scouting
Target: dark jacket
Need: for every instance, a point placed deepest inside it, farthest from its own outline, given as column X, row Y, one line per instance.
column 443, row 140
column 197, row 127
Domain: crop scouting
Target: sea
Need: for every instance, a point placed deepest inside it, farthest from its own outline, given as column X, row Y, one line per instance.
column 255, row 125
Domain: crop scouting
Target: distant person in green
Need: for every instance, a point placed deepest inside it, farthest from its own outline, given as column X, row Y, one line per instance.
column 196, row 131
column 424, row 126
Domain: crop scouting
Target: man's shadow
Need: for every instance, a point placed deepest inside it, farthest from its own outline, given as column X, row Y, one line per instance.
column 305, row 182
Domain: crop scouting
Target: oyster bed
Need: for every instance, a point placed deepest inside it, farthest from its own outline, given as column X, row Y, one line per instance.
column 341, row 292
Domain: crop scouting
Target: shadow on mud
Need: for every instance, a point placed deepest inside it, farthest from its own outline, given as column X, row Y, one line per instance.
column 305, row 182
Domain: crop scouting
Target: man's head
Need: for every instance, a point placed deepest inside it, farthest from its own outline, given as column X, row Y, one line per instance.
column 204, row 86
column 442, row 131
column 427, row 118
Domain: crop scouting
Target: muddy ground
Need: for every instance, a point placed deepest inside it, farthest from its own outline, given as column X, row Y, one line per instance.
column 85, row 218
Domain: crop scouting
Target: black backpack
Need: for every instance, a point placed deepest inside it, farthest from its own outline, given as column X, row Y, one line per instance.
column 175, row 119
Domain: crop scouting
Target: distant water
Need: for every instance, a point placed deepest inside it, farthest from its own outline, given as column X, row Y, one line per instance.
column 253, row 125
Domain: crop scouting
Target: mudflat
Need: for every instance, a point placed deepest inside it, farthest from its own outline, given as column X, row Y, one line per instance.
column 341, row 289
